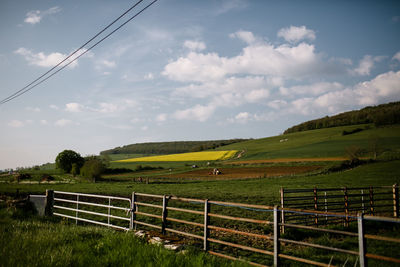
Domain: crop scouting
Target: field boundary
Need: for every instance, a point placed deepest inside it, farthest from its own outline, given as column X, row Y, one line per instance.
column 160, row 204
column 372, row 200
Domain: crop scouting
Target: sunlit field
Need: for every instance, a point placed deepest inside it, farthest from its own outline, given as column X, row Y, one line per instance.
column 192, row 156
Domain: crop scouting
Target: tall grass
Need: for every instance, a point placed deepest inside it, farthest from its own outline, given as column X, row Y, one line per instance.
column 44, row 242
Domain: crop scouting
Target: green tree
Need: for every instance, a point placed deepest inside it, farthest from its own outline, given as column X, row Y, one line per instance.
column 93, row 168
column 65, row 159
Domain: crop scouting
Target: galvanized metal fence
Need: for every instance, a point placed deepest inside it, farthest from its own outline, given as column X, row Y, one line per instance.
column 227, row 229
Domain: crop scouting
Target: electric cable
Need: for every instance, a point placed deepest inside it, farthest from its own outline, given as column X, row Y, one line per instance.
column 38, row 81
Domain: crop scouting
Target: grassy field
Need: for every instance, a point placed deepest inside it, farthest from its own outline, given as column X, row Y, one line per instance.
column 258, row 191
column 32, row 241
column 328, row 142
column 298, row 160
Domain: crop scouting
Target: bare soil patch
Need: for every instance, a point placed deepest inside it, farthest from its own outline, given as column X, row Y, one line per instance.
column 284, row 160
column 247, row 172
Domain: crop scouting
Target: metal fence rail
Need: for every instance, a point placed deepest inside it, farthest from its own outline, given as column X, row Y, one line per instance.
column 379, row 200
column 152, row 211
column 60, row 207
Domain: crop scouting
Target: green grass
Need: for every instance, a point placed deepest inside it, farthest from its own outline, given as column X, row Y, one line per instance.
column 46, row 242
column 260, row 191
column 319, row 143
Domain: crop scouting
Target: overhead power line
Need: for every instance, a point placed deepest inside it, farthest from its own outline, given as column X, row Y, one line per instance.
column 43, row 77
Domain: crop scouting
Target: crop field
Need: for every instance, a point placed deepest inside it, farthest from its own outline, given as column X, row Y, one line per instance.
column 248, row 172
column 193, row 156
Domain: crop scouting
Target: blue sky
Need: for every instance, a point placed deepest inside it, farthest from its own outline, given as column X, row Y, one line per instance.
column 188, row 70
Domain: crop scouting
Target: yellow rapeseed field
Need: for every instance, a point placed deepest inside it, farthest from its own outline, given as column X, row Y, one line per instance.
column 193, row 156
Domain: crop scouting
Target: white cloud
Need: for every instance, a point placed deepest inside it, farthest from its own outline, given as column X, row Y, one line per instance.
column 55, row 107
column 194, row 45
column 43, row 122
column 35, row 16
column 198, row 112
column 383, row 88
column 42, row 60
column 149, row 76
column 366, row 64
column 277, row 104
column 311, row 89
column 396, row 56
column 106, row 63
column 161, row 117
column 74, row 107
column 144, row 128
column 63, row 122
column 36, row 109
column 257, row 95
column 247, row 37
column 256, row 59
column 242, row 117
column 108, row 108
column 228, row 5
column 294, row 34
column 16, row 124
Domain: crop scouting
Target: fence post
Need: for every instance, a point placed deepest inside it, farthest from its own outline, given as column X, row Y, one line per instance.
column 276, row 236
column 282, row 212
column 206, row 221
column 49, row 202
column 315, row 205
column 361, row 241
column 346, row 206
column 133, row 214
column 164, row 214
column 395, row 201
column 371, row 199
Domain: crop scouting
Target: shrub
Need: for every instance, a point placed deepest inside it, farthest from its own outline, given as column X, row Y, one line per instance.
column 93, row 169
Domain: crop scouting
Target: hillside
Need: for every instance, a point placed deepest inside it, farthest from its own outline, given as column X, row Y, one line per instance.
column 322, row 143
column 385, row 114
column 163, row 148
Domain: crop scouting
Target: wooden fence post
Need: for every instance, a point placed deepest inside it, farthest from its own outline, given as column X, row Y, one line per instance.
column 371, row 199
column 276, row 236
column 206, row 221
column 133, row 214
column 49, row 202
column 361, row 240
column 164, row 214
column 395, row 201
column 346, row 206
column 282, row 212
column 316, row 205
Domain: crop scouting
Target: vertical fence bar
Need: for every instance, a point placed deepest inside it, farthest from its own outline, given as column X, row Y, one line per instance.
column 109, row 211
column 326, row 209
column 316, row 205
column 371, row 200
column 346, row 207
column 206, row 221
column 164, row 214
column 49, row 202
column 282, row 206
column 133, row 214
column 361, row 240
column 362, row 200
column 77, row 208
column 395, row 201
column 276, row 236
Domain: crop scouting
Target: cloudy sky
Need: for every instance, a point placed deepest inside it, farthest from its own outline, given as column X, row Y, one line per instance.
column 187, row 70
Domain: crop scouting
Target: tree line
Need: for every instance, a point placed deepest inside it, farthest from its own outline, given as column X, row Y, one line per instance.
column 163, row 148
column 381, row 115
